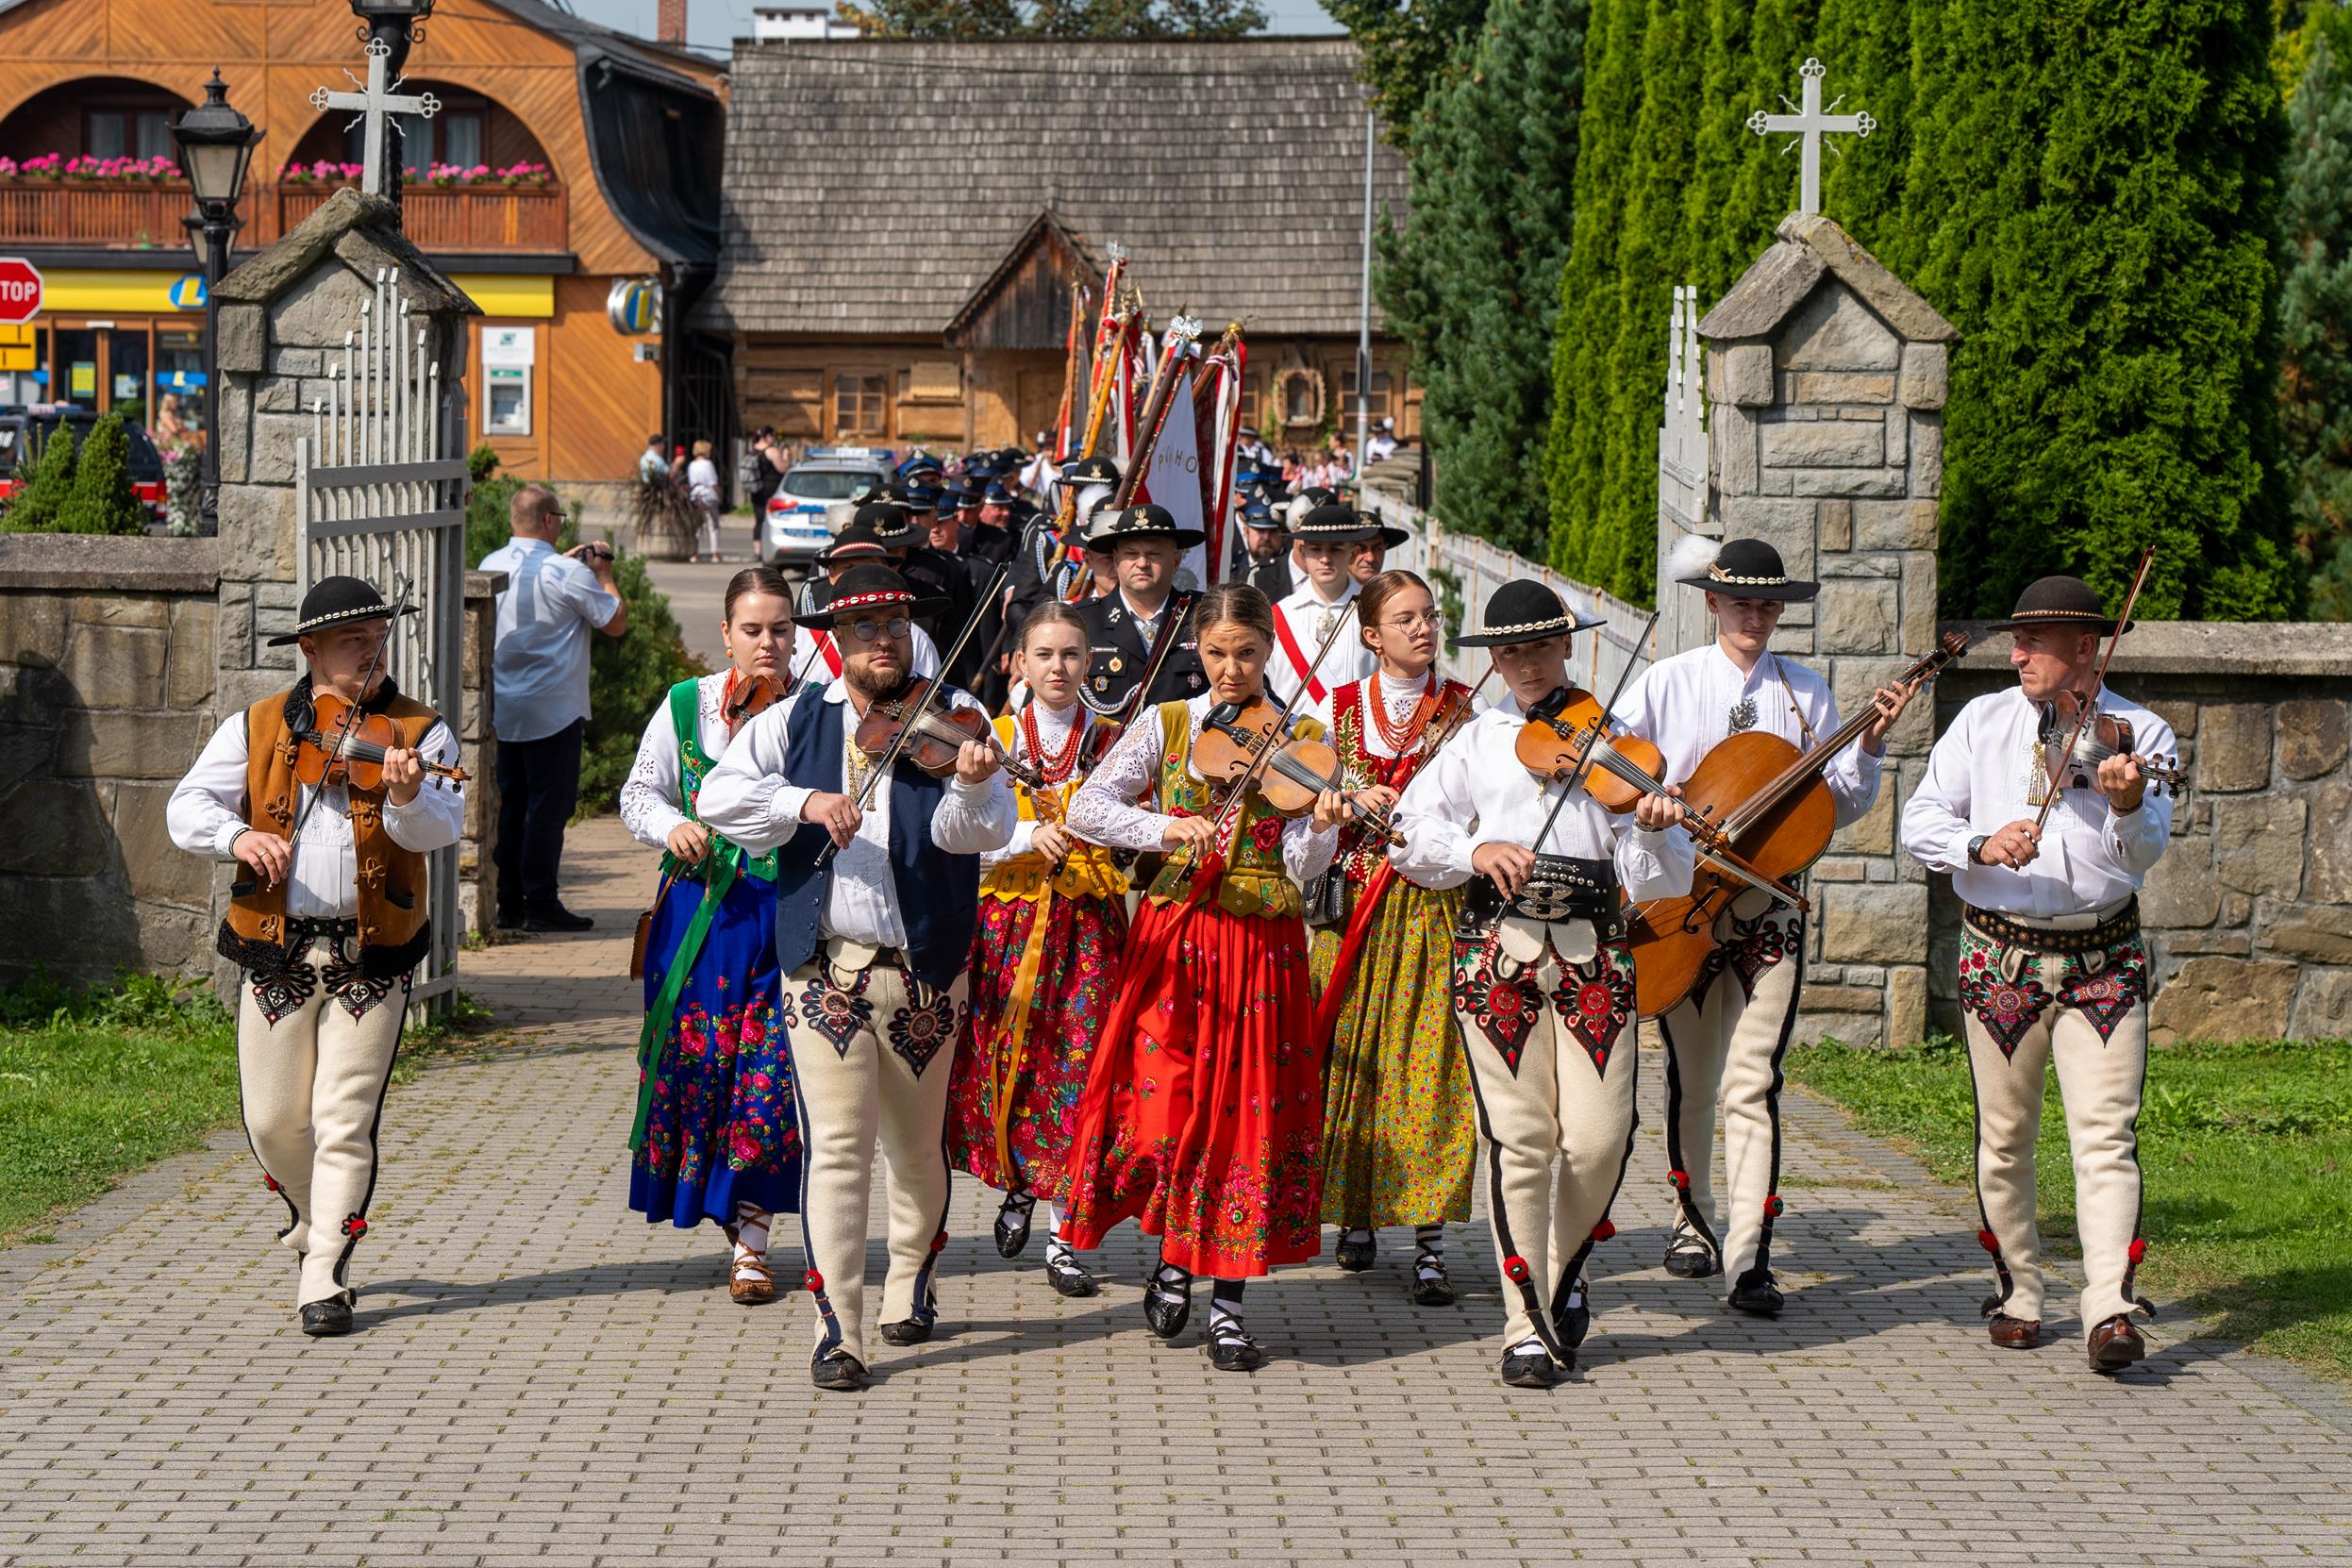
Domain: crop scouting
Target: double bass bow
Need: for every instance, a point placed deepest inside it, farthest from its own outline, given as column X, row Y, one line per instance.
column 1769, row 805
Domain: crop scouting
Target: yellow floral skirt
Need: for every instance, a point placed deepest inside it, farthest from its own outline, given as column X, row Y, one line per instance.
column 1399, row 1130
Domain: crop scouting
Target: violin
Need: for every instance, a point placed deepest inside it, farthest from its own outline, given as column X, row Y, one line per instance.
column 1624, row 767
column 347, row 748
column 937, row 737
column 750, row 699
column 2106, row 735
column 1296, row 770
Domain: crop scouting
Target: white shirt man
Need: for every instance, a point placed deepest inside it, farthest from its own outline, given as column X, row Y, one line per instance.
column 2052, row 964
column 1335, row 549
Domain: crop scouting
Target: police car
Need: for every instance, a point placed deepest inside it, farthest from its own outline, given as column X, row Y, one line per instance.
column 802, row 514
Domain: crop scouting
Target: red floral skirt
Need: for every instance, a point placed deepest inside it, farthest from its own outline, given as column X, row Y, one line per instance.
column 1203, row 1115
column 1067, row 1006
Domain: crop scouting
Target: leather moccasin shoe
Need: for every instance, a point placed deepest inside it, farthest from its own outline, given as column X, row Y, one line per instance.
column 2115, row 1345
column 839, row 1373
column 1757, row 1295
column 2013, row 1333
column 909, row 1331
column 1531, row 1369
column 327, row 1319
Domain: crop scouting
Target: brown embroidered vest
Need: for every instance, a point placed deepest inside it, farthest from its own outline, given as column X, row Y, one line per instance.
column 392, row 905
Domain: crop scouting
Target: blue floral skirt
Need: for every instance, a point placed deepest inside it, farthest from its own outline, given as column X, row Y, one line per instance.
column 721, row 1128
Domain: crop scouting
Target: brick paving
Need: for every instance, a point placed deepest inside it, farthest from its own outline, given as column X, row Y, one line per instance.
column 542, row 1378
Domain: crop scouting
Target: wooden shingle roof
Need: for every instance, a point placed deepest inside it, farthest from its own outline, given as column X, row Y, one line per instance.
column 873, row 187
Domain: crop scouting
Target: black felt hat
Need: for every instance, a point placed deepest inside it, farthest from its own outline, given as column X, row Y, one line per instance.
column 1750, row 569
column 2060, row 601
column 1145, row 521
column 866, row 586
column 1096, row 470
column 1524, row 610
column 1334, row 523
column 336, row 601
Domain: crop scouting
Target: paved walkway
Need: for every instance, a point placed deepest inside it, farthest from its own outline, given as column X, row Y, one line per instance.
column 542, row 1378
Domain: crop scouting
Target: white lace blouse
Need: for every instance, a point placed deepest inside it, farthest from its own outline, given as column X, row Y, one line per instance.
column 1104, row 810
column 653, row 801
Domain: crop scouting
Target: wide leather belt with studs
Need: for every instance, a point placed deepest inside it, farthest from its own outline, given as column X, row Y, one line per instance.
column 1562, row 887
column 2123, row 924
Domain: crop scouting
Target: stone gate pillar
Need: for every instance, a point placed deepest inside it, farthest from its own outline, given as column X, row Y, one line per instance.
column 1826, row 381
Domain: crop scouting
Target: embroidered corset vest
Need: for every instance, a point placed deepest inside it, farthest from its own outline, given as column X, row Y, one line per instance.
column 1088, row 873
column 693, row 766
column 1254, row 881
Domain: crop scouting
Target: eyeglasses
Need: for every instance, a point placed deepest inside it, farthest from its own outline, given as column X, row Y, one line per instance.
column 1407, row 623
column 895, row 628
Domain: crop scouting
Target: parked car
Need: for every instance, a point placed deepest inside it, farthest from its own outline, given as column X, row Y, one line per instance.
column 803, row 514
column 26, row 429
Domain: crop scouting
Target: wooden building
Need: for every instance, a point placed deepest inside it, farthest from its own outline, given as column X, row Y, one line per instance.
column 902, row 222
column 628, row 133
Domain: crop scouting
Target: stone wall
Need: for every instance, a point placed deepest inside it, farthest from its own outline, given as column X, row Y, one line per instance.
column 2249, row 913
column 106, row 697
column 1826, row 384
column 478, row 750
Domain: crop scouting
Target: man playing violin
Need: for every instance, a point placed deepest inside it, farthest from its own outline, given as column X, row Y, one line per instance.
column 2052, row 964
column 1725, row 1040
column 878, row 893
column 327, row 918
column 1543, row 980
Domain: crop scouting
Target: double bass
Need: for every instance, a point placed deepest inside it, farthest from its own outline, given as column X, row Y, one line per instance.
column 1773, row 808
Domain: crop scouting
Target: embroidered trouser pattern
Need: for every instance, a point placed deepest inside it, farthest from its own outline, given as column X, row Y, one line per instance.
column 871, row 1063
column 1724, row 1045
column 2021, row 1010
column 1553, row 1070
column 314, row 1056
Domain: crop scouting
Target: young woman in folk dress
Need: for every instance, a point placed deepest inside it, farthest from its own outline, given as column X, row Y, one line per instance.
column 716, row 1137
column 1053, row 922
column 1399, row 1136
column 1203, row 1113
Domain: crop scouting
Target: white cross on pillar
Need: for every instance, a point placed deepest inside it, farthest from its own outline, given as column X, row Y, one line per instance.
column 373, row 101
column 1810, row 122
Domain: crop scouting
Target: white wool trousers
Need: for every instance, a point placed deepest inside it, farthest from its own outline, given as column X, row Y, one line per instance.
column 872, row 1052
column 314, row 1057
column 1724, row 1047
column 2023, row 1011
column 1552, row 1063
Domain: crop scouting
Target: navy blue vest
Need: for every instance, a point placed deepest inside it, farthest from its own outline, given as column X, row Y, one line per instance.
column 939, row 893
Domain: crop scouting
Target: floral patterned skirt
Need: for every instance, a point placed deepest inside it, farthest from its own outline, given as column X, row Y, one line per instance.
column 1068, row 1005
column 721, row 1128
column 1399, row 1129
column 1203, row 1113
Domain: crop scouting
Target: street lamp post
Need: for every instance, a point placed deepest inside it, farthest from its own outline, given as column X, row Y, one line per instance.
column 398, row 24
column 216, row 147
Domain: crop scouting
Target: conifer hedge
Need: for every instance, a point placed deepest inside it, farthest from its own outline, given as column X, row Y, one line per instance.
column 2089, row 191
column 2086, row 192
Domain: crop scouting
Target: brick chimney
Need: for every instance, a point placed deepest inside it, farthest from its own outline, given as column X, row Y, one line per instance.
column 669, row 24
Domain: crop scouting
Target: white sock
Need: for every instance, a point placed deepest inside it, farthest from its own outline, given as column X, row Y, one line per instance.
column 1357, row 1236
column 1430, row 1238
column 1529, row 1346
column 751, row 1235
column 1053, row 1217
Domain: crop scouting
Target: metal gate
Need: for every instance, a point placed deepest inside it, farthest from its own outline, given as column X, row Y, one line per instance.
column 378, row 494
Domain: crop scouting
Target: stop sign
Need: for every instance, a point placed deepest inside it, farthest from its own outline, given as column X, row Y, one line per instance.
column 19, row 291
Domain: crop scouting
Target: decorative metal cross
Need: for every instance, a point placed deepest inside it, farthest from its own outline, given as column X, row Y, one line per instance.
column 374, row 100
column 1810, row 122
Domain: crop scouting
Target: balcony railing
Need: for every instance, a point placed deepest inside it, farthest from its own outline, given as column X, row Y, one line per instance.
column 445, row 218
column 71, row 212
column 457, row 217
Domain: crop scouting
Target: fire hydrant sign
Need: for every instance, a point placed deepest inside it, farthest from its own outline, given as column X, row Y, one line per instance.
column 20, row 289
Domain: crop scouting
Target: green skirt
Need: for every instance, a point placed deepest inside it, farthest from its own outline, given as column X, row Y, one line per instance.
column 1399, row 1129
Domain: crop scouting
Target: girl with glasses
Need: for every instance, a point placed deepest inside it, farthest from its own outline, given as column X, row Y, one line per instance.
column 1398, row 1129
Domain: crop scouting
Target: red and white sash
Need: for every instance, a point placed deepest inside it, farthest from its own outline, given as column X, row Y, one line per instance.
column 826, row 651
column 1297, row 655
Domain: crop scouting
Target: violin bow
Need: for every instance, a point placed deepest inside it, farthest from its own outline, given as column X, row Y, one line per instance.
column 351, row 714
column 2090, row 703
column 908, row 721
column 1263, row 752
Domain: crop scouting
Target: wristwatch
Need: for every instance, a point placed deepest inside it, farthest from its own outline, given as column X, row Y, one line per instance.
column 1976, row 849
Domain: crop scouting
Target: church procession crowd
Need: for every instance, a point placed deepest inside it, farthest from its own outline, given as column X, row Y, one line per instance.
column 1141, row 869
